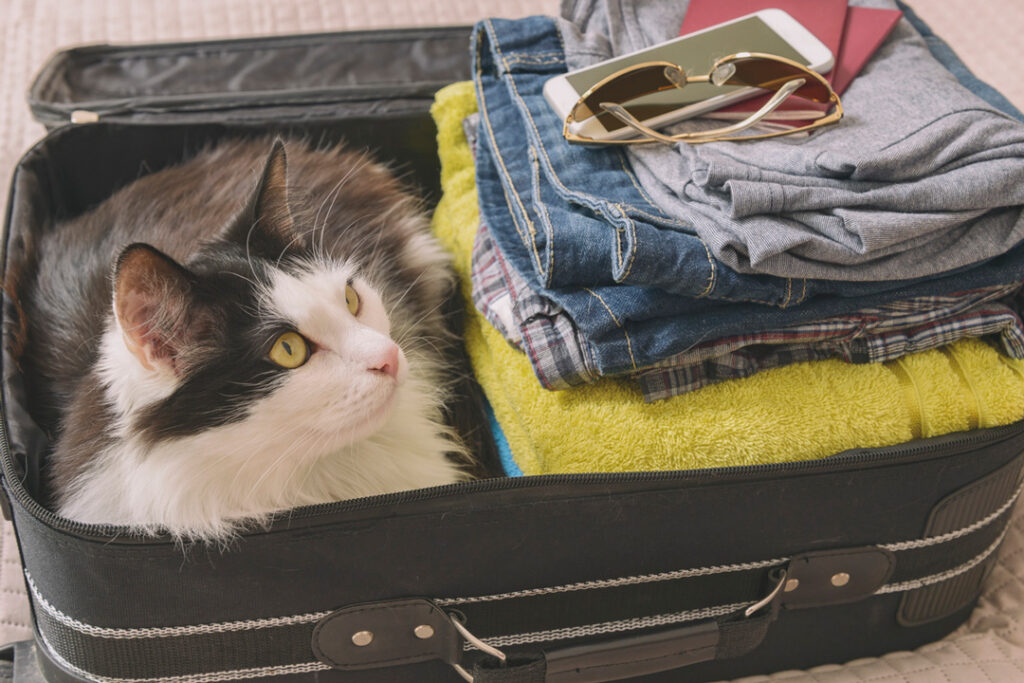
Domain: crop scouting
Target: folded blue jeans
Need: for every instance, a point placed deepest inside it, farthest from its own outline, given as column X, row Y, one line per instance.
column 575, row 223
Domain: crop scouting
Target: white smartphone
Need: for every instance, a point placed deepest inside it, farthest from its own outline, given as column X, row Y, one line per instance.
column 772, row 31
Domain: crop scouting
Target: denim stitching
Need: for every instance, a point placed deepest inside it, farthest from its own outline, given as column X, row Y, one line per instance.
column 532, row 62
column 490, row 132
column 629, row 344
column 634, row 180
column 554, row 175
column 515, row 224
column 541, row 58
column 551, row 54
column 618, row 246
column 712, row 277
column 632, row 254
column 497, row 153
column 593, row 199
column 542, row 212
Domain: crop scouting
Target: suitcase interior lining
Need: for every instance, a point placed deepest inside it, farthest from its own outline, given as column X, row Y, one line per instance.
column 250, row 73
column 81, row 166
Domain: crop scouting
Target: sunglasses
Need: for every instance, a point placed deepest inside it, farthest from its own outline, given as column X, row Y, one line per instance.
column 784, row 77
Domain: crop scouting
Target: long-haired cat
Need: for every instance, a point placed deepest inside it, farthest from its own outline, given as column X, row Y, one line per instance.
column 255, row 329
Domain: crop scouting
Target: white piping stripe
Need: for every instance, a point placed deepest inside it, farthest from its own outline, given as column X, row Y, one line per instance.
column 693, row 615
column 952, row 535
column 253, row 624
column 168, row 631
column 611, row 626
column 213, row 677
column 612, row 583
column 946, row 575
column 702, row 571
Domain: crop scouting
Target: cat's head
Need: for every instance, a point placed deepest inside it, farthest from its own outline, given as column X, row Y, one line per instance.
column 256, row 325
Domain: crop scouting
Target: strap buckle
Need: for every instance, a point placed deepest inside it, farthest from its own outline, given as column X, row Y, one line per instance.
column 457, row 621
column 779, row 576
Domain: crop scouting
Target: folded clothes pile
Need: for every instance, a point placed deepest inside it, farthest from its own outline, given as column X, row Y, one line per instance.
column 652, row 261
column 799, row 412
column 670, row 269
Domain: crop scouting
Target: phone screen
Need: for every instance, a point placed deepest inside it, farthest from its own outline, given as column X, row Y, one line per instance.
column 695, row 54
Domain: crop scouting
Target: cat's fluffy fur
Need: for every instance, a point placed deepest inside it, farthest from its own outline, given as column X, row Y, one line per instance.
column 148, row 323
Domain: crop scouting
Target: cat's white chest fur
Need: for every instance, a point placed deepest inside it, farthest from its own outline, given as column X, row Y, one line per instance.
column 202, row 486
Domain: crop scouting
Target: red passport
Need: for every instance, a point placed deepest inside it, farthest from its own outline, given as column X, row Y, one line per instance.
column 866, row 29
column 861, row 31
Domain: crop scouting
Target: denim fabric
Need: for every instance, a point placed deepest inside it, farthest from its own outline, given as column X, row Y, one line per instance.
column 874, row 335
column 577, row 226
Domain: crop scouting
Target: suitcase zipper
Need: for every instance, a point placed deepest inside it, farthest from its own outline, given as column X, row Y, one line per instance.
column 858, row 457
column 318, row 103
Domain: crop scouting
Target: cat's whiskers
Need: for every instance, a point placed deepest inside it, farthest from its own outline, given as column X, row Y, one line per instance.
column 336, row 192
column 297, row 239
column 413, row 323
column 254, row 447
column 401, row 297
column 248, row 280
column 309, row 465
column 292, row 448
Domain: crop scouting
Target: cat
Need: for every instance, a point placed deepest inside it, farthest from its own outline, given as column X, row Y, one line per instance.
column 255, row 329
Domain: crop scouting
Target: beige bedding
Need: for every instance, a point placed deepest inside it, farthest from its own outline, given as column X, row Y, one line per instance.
column 990, row 647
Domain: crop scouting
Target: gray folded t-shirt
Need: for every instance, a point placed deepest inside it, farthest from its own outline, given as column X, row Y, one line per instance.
column 921, row 176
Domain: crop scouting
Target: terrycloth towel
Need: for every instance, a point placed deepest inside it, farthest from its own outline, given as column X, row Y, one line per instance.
column 800, row 412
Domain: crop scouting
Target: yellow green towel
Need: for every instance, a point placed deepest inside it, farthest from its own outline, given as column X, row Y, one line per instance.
column 798, row 412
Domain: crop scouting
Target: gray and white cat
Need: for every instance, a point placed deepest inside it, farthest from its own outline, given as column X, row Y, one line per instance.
column 255, row 329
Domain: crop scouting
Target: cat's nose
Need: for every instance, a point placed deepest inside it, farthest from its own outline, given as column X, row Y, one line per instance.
column 387, row 362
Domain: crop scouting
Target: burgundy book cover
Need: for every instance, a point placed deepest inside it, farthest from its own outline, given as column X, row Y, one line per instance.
column 862, row 32
column 866, row 29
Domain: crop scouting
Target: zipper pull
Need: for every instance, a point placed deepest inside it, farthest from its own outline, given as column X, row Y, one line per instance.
column 5, row 504
column 84, row 116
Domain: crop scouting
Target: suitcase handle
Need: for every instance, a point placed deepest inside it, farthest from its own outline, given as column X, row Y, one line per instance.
column 390, row 633
column 633, row 655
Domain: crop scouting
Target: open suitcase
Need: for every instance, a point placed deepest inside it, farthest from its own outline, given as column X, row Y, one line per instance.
column 579, row 578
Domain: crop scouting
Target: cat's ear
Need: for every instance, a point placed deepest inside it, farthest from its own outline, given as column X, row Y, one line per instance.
column 266, row 226
column 160, row 314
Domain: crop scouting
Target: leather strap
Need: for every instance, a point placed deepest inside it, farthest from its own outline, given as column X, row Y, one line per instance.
column 631, row 656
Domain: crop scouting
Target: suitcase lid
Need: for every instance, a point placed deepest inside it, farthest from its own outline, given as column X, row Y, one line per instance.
column 377, row 72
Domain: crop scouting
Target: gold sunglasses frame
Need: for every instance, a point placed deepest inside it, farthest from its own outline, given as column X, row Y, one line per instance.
column 718, row 134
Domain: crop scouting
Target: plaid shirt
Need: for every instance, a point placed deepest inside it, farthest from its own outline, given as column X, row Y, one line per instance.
column 558, row 352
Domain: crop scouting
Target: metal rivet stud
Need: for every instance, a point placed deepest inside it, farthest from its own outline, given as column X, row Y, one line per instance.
column 424, row 631
column 791, row 585
column 362, row 638
column 840, row 579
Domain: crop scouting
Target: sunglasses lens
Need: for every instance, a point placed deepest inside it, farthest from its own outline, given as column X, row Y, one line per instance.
column 772, row 75
column 629, row 85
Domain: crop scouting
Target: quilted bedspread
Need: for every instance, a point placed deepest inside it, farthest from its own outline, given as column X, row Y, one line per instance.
column 989, row 647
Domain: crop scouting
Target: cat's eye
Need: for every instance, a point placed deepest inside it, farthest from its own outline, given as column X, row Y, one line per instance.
column 351, row 300
column 290, row 350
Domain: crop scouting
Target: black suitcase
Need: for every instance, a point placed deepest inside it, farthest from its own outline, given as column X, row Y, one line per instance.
column 725, row 572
